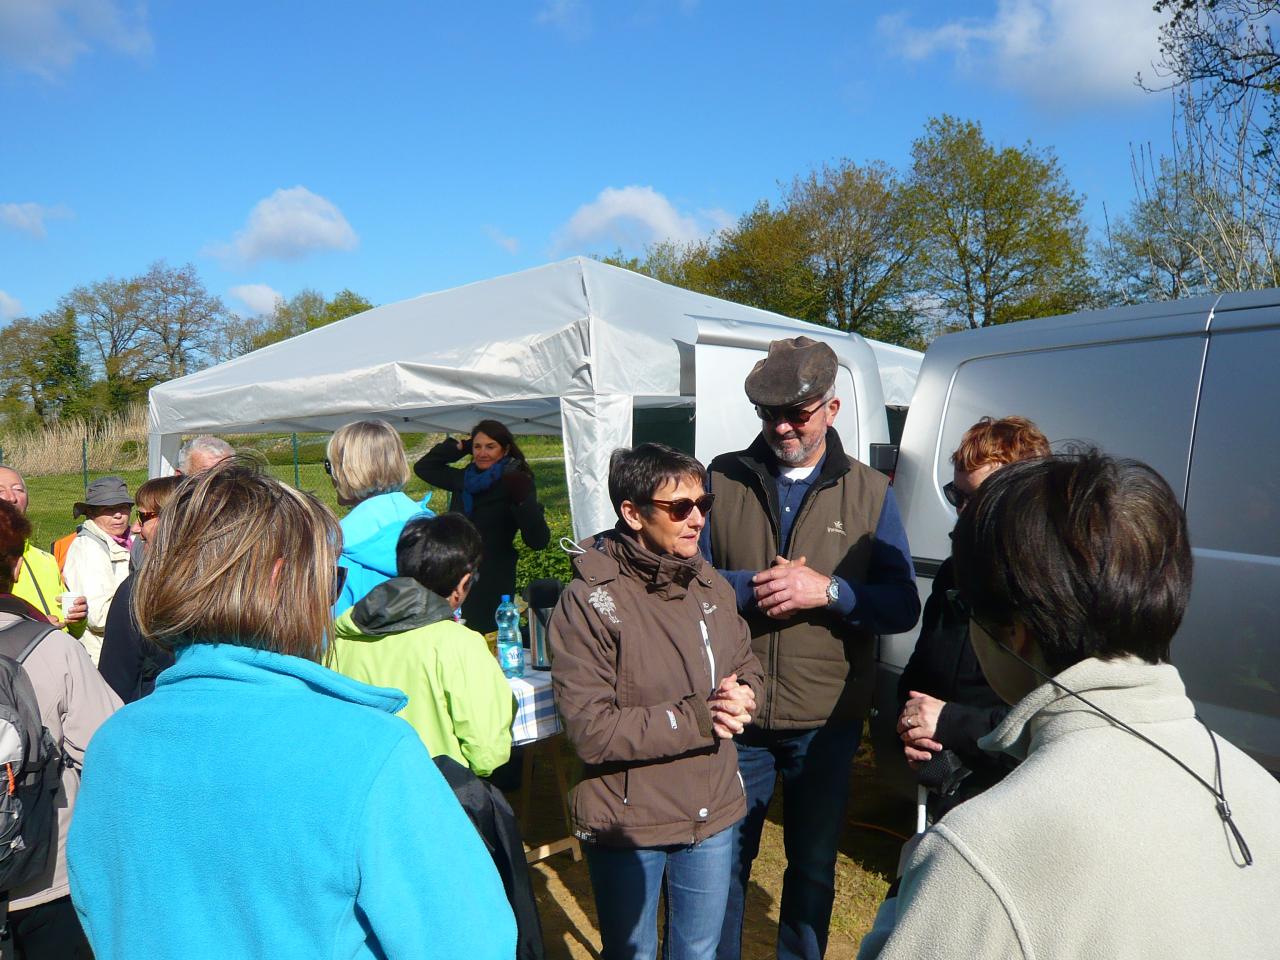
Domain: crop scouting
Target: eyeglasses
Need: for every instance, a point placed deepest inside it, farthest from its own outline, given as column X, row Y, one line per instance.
column 797, row 416
column 145, row 516
column 956, row 497
column 328, row 467
column 680, row 509
column 339, row 581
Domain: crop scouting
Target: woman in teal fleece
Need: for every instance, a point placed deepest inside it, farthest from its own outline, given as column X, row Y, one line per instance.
column 403, row 635
column 368, row 467
column 258, row 804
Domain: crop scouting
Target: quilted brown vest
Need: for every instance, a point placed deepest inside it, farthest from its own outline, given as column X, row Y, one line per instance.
column 817, row 666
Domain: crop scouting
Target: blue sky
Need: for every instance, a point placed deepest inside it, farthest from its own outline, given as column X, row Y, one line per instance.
column 401, row 147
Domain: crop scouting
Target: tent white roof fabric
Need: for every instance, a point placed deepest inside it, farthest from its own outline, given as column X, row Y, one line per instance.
column 565, row 348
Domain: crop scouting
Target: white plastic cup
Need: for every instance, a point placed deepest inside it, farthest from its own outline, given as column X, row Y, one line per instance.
column 67, row 601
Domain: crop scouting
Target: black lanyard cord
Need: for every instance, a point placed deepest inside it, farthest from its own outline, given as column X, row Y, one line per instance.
column 1216, row 788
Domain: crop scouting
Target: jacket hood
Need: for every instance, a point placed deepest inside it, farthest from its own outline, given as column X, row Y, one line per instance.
column 229, row 661
column 394, row 606
column 370, row 531
column 1130, row 688
column 611, row 553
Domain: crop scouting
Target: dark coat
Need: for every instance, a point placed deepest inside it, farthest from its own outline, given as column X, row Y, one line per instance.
column 129, row 662
column 499, row 520
column 944, row 666
column 496, row 823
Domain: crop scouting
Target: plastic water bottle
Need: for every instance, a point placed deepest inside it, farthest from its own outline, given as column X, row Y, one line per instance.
column 510, row 652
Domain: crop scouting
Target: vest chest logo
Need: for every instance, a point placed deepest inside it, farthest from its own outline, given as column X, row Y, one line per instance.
column 837, row 526
column 708, row 608
column 603, row 604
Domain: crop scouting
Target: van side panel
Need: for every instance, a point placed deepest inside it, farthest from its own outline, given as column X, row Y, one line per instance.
column 1228, row 648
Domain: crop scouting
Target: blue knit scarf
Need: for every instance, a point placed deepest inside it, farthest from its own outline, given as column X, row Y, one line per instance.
column 478, row 481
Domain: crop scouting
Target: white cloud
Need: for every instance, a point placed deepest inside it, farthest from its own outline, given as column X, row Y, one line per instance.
column 505, row 241
column 570, row 17
column 1058, row 51
column 258, row 297
column 632, row 216
column 30, row 217
column 10, row 307
column 288, row 225
column 46, row 37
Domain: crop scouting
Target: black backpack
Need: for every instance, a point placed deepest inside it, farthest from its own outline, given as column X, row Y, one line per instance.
column 30, row 764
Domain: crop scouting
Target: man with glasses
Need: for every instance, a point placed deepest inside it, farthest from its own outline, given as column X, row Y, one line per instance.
column 813, row 544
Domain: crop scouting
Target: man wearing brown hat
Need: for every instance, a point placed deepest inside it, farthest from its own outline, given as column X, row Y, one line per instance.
column 815, row 549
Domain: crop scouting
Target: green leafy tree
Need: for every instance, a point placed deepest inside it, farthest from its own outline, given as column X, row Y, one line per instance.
column 305, row 310
column 41, row 374
column 999, row 230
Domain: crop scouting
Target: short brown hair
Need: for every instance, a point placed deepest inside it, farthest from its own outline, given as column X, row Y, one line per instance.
column 15, row 531
column 1002, row 441
column 1089, row 553
column 156, row 493
column 238, row 557
column 367, row 458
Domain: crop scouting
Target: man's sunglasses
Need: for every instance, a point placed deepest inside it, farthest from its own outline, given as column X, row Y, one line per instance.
column 339, row 581
column 328, row 467
column 796, row 416
column 955, row 496
column 680, row 509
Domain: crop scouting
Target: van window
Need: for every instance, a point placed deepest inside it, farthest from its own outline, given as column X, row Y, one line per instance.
column 1133, row 399
column 1226, row 648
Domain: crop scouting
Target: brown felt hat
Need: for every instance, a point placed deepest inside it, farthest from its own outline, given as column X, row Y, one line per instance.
column 794, row 371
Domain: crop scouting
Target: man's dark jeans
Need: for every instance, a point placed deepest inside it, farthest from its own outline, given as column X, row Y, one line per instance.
column 814, row 766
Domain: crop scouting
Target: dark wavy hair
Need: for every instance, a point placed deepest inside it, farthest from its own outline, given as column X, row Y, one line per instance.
column 1088, row 552
column 496, row 430
column 15, row 531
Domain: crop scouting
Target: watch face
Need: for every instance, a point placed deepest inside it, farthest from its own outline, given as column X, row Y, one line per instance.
column 833, row 591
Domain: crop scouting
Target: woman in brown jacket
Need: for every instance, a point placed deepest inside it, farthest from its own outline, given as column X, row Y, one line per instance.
column 654, row 674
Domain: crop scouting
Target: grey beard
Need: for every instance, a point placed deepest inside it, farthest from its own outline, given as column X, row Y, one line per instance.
column 795, row 457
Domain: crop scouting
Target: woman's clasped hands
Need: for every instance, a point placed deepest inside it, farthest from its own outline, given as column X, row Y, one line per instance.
column 731, row 705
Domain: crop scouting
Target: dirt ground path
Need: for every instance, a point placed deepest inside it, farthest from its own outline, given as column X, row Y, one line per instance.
column 868, row 856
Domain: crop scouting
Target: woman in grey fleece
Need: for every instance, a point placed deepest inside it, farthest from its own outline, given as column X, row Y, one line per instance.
column 1129, row 829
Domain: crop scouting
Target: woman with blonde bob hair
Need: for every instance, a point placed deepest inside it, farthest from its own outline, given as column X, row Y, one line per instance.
column 278, row 808
column 368, row 467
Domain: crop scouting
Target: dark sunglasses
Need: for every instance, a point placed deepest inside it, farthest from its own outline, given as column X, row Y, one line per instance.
column 955, row 496
column 680, row 509
column 144, row 516
column 328, row 467
column 796, row 416
column 339, row 580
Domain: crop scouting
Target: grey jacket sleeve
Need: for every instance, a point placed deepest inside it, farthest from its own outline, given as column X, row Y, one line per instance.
column 949, row 907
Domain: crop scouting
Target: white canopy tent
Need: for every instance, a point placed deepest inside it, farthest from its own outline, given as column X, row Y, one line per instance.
column 570, row 348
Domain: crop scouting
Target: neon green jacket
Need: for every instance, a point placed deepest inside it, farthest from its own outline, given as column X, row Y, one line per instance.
column 404, row 636
column 40, row 584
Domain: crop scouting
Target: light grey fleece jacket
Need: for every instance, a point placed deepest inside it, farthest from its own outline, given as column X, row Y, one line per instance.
column 74, row 701
column 1097, row 845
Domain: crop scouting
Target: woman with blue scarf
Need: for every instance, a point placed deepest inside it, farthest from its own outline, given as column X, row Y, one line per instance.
column 496, row 492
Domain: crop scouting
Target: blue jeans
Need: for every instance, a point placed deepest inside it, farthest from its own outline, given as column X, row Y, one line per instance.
column 626, row 882
column 814, row 765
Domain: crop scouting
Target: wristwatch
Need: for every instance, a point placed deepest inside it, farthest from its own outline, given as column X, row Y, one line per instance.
column 833, row 591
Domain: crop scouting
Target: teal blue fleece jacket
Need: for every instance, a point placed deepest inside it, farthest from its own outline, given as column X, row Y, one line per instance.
column 369, row 535
column 260, row 805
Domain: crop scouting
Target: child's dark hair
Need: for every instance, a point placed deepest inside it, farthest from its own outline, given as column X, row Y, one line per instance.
column 438, row 551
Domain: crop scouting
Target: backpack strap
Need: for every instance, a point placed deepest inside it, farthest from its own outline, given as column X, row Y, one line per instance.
column 19, row 638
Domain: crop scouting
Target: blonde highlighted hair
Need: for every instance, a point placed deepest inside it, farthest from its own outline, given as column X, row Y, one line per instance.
column 366, row 458
column 238, row 557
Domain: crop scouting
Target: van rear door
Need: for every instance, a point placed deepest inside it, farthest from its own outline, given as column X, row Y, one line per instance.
column 1227, row 649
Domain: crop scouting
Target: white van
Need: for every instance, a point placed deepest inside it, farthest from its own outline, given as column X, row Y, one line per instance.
column 1191, row 388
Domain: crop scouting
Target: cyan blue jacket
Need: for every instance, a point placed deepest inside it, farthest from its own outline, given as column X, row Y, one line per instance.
column 369, row 535
column 260, row 805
